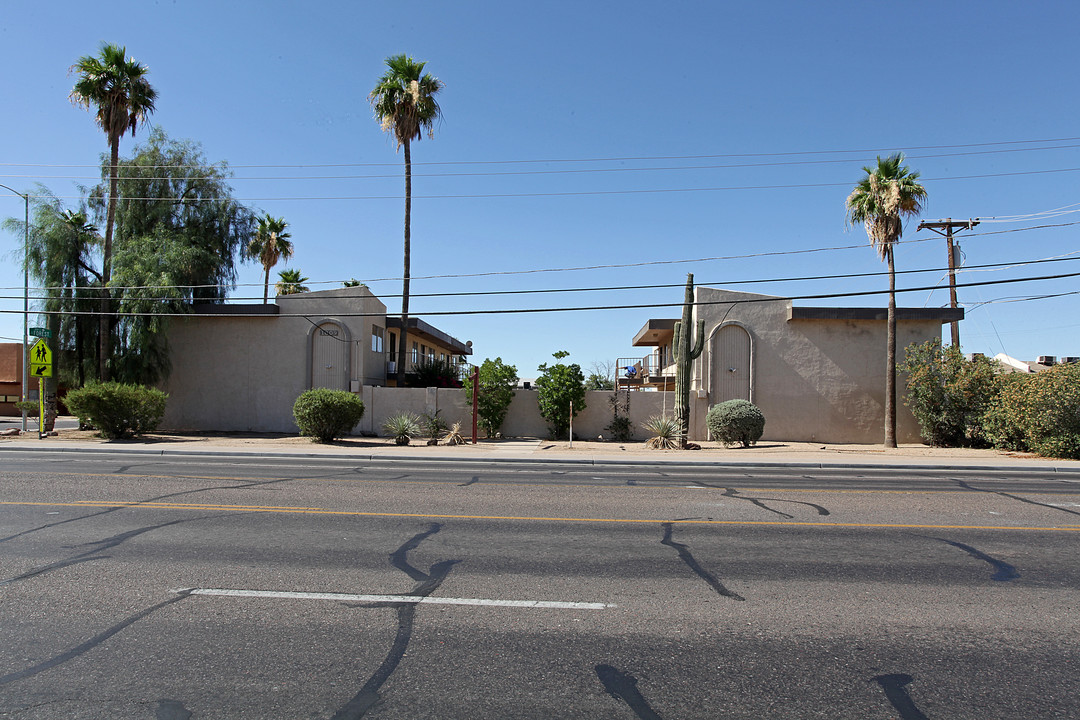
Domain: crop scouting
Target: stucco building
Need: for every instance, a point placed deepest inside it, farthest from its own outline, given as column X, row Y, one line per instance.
column 241, row 367
column 818, row 373
column 11, row 363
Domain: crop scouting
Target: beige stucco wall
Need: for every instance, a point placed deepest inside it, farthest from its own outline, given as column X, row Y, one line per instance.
column 815, row 380
column 244, row 373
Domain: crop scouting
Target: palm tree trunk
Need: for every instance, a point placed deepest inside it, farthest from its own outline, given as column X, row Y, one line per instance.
column 105, row 326
column 405, row 276
column 890, row 360
column 266, row 285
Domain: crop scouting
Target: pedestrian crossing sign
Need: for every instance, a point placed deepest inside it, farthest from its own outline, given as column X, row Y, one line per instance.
column 41, row 364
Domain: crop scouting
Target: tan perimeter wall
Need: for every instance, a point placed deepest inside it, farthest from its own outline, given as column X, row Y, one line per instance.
column 523, row 419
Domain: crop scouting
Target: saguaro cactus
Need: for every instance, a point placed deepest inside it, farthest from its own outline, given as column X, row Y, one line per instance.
column 686, row 352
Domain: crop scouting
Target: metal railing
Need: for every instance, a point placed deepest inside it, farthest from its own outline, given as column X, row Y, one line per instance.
column 645, row 371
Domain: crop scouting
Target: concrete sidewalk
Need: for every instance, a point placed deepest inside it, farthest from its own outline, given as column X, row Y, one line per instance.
column 533, row 450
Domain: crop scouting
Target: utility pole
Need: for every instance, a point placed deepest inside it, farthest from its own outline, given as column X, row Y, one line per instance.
column 947, row 225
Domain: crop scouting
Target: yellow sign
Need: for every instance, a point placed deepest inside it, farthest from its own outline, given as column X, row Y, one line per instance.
column 40, row 359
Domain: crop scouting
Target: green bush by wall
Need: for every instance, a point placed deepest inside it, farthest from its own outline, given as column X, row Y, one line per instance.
column 323, row 414
column 735, row 422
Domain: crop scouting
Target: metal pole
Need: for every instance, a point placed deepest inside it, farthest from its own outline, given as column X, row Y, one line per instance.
column 475, row 400
column 26, row 300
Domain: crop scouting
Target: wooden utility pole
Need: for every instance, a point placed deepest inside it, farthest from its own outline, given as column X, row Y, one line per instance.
column 947, row 226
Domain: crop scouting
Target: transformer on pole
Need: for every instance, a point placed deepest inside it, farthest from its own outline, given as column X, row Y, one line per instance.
column 947, row 225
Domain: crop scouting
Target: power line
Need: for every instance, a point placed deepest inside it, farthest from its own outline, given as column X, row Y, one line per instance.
column 598, row 159
column 582, row 193
column 729, row 166
column 520, row 311
column 541, row 291
column 646, row 263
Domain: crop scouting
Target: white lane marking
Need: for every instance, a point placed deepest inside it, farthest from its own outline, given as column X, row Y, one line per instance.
column 1063, row 504
column 547, row 604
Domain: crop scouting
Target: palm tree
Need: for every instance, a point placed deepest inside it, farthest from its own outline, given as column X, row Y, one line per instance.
column 405, row 106
column 881, row 201
column 270, row 245
column 290, row 283
column 117, row 87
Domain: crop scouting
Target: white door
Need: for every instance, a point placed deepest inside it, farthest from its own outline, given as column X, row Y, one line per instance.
column 329, row 358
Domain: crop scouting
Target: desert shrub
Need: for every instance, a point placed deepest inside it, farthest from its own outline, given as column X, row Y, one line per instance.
column 433, row 373
column 1038, row 413
column 403, row 427
column 559, row 388
column 118, row 410
column 621, row 429
column 31, row 407
column 735, row 422
column 324, row 414
column 496, row 384
column 665, row 432
column 432, row 425
column 948, row 394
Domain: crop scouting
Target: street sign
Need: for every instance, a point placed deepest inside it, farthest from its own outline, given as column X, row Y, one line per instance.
column 41, row 365
column 40, row 332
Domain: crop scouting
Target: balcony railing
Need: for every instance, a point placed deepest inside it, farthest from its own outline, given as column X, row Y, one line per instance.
column 462, row 369
column 648, row 371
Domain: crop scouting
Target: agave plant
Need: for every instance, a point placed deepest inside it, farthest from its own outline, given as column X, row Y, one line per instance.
column 402, row 427
column 664, row 430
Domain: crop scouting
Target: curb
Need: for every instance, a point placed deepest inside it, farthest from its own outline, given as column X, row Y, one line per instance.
column 1021, row 465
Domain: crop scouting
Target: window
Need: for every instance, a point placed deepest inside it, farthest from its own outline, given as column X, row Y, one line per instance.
column 415, row 353
column 376, row 339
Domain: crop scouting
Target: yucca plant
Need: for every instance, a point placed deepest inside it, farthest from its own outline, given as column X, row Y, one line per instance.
column 664, row 430
column 402, row 427
column 453, row 435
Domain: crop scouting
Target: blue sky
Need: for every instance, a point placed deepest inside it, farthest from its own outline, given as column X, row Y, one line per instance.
column 578, row 135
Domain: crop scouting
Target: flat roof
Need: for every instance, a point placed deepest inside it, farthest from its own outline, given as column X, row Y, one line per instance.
column 423, row 328
column 234, row 309
column 942, row 315
column 655, row 331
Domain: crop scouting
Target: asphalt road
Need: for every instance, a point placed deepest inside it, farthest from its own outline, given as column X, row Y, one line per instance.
column 228, row 587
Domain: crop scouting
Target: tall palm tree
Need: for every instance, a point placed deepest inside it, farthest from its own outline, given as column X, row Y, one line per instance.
column 118, row 88
column 405, row 106
column 270, row 245
column 291, row 282
column 83, row 236
column 881, row 201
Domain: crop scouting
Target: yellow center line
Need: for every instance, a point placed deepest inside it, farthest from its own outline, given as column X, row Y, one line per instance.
column 136, row 505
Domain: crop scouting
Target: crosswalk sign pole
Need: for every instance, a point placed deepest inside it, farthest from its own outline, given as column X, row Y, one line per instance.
column 41, row 407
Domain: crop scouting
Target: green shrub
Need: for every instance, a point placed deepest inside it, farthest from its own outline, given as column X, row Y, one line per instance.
column 118, row 410
column 433, row 373
column 433, row 425
column 324, row 414
column 621, row 429
column 496, row 382
column 735, row 422
column 948, row 394
column 30, row 406
column 1038, row 413
column 403, row 427
column 559, row 388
